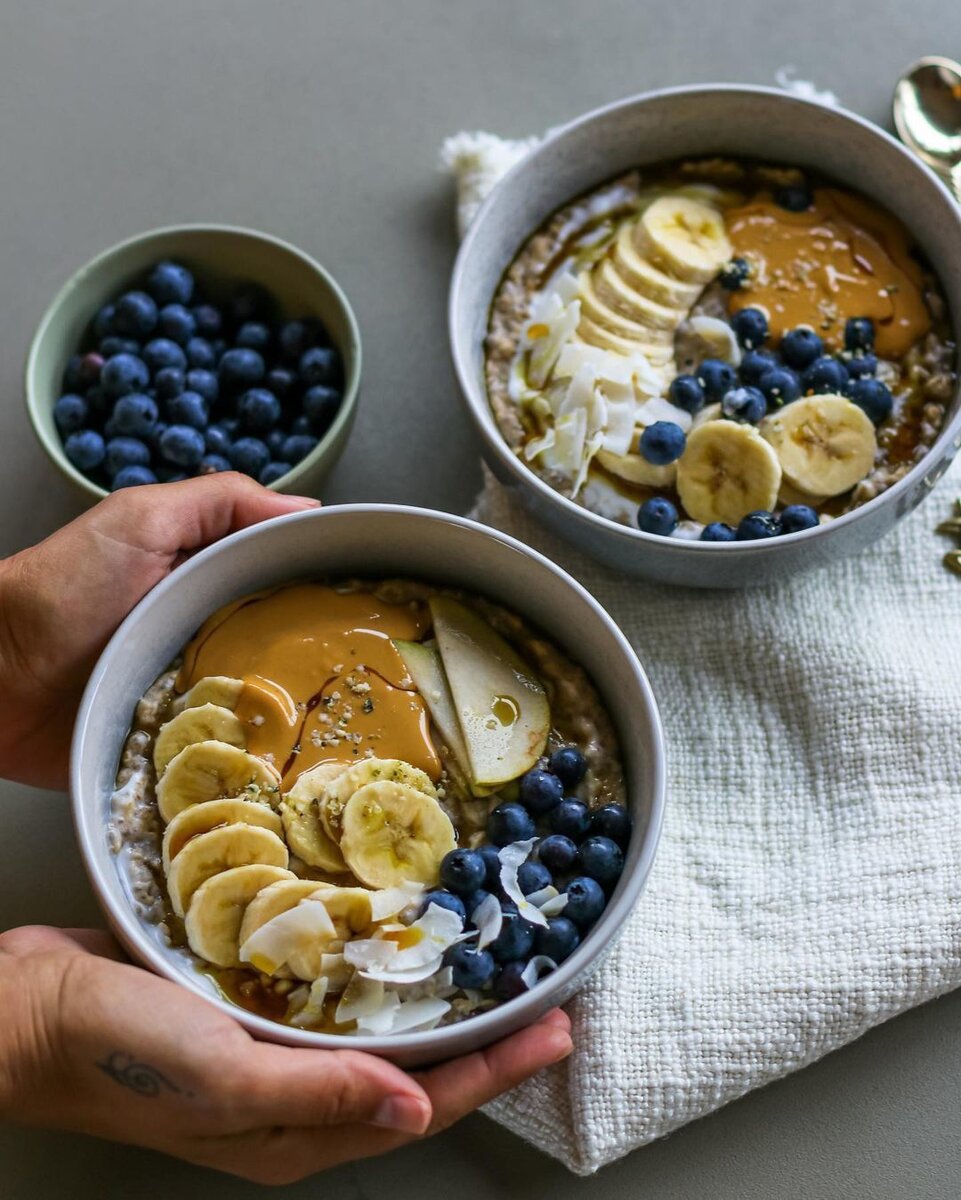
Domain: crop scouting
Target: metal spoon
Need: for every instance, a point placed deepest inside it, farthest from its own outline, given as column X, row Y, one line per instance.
column 927, row 115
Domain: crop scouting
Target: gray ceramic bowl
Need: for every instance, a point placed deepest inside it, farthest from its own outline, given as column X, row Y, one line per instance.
column 220, row 256
column 370, row 540
column 715, row 119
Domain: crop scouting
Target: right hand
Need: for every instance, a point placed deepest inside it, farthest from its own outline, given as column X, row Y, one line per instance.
column 93, row 1044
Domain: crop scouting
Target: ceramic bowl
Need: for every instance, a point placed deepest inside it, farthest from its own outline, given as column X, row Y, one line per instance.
column 711, row 120
column 371, row 540
column 221, row 256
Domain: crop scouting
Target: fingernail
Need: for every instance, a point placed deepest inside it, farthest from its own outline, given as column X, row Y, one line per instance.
column 562, row 1044
column 402, row 1113
column 303, row 501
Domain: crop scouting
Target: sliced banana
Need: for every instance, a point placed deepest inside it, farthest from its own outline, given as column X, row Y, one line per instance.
column 219, row 850
column 647, row 279
column 217, row 910
column 300, row 809
column 825, row 444
column 393, row 833
column 212, row 689
column 209, row 770
column 350, row 911
column 683, row 237
column 727, row 470
column 370, row 770
column 634, row 468
column 643, row 319
column 201, row 818
column 273, row 900
column 205, row 723
column 710, row 412
column 596, row 335
column 791, row 495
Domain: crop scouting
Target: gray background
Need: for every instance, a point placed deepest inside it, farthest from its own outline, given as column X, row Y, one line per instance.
column 320, row 122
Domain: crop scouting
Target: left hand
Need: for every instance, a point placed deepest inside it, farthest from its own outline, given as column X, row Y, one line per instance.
column 61, row 600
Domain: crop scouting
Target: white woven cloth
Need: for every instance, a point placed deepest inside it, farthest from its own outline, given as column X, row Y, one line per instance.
column 808, row 882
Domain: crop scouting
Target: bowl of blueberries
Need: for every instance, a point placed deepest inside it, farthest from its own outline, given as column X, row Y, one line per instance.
column 191, row 350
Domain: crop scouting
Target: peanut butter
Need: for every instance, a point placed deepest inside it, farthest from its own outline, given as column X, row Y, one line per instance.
column 323, row 681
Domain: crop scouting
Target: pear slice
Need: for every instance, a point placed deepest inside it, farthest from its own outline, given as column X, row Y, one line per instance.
column 501, row 706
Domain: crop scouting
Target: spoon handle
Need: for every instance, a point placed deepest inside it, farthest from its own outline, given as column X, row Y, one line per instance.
column 955, row 181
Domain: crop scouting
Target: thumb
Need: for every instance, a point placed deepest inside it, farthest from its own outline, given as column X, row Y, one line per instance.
column 333, row 1087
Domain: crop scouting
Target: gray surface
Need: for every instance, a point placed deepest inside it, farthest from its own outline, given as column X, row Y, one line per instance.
column 320, row 122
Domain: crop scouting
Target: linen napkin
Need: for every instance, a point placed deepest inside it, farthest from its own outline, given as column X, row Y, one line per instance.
column 807, row 885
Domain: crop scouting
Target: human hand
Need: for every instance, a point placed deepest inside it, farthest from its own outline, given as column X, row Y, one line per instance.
column 61, row 600
column 95, row 1045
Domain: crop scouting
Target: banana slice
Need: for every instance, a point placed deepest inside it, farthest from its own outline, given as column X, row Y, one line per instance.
column 684, row 237
column 205, row 723
column 657, row 332
column 210, row 853
column 710, row 412
column 300, row 809
column 647, row 279
column 393, row 834
column 791, row 495
column 659, row 356
column 217, row 910
column 825, row 444
column 212, row 689
column 201, row 818
column 637, row 470
column 205, row 771
column 273, row 900
column 349, row 910
column 726, row 471
column 370, row 770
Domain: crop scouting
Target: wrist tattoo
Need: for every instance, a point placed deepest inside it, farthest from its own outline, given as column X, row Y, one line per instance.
column 139, row 1077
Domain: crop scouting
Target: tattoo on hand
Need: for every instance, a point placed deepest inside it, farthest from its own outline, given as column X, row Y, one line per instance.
column 139, row 1077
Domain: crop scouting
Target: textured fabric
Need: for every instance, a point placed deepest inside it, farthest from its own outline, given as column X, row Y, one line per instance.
column 807, row 884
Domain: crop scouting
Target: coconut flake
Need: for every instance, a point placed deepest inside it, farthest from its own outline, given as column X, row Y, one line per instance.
column 542, row 895
column 687, row 530
column 539, row 966
column 439, row 929
column 270, row 946
column 512, row 857
column 361, row 998
column 336, row 971
column 380, row 1021
column 552, row 323
column 313, row 1009
column 387, row 902
column 419, row 1014
column 555, row 905
column 488, row 917
column 370, row 953
column 719, row 337
column 659, row 409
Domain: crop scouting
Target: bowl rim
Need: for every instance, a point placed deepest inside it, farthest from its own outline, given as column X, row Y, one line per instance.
column 474, row 392
column 128, row 928
column 352, row 351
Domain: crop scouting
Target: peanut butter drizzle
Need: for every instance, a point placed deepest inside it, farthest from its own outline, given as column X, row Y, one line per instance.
column 323, row 681
column 841, row 258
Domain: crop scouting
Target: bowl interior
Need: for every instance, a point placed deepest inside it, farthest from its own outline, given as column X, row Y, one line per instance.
column 375, row 541
column 220, row 257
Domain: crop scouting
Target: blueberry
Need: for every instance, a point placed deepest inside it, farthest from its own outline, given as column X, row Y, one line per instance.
column 298, row 446
column 473, row 902
column 135, row 414
column 208, row 320
column 795, row 198
column 462, row 871
column 558, row 939
column 492, row 865
column 99, row 404
column 859, row 333
column 508, row 823
column 204, row 383
column 189, row 408
column 201, row 354
column 825, row 374
column 282, row 382
column 612, row 821
column 70, row 413
column 687, row 393
column 170, row 283
column 135, row 315
column 754, row 364
column 259, row 410
column 780, row 386
column 540, row 791
column 182, row 445
column 444, row 899
column 516, row 938
column 601, row 858
column 873, row 396
column 662, row 443
column 569, row 765
column 91, row 369
column 859, row 366
column 125, row 452
column 161, row 353
column 585, row 901
column 170, row 381
column 295, row 337
column 800, row 347
column 796, row 517
column 132, row 476
column 124, row 373
column 103, row 322
column 717, row 531
column 248, row 302
column 254, row 335
column 470, row 968
column 716, row 377
column 85, row 449
column 217, row 440
column 250, row 455
column 302, row 426
column 758, row 525
column 156, row 433
column 750, row 327
column 230, row 426
column 557, row 853
column 109, row 346
column 572, row 818
column 734, row 274
column 318, row 365
column 657, row 515
column 177, row 323
column 72, row 378
column 320, row 405
column 509, row 983
column 532, row 876
column 274, row 471
column 213, row 464
column 240, row 369
column 275, row 442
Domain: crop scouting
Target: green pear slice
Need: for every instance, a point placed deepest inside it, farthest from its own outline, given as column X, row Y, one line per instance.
column 501, row 706
column 422, row 660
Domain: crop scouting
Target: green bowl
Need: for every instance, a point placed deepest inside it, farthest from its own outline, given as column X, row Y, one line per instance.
column 220, row 256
